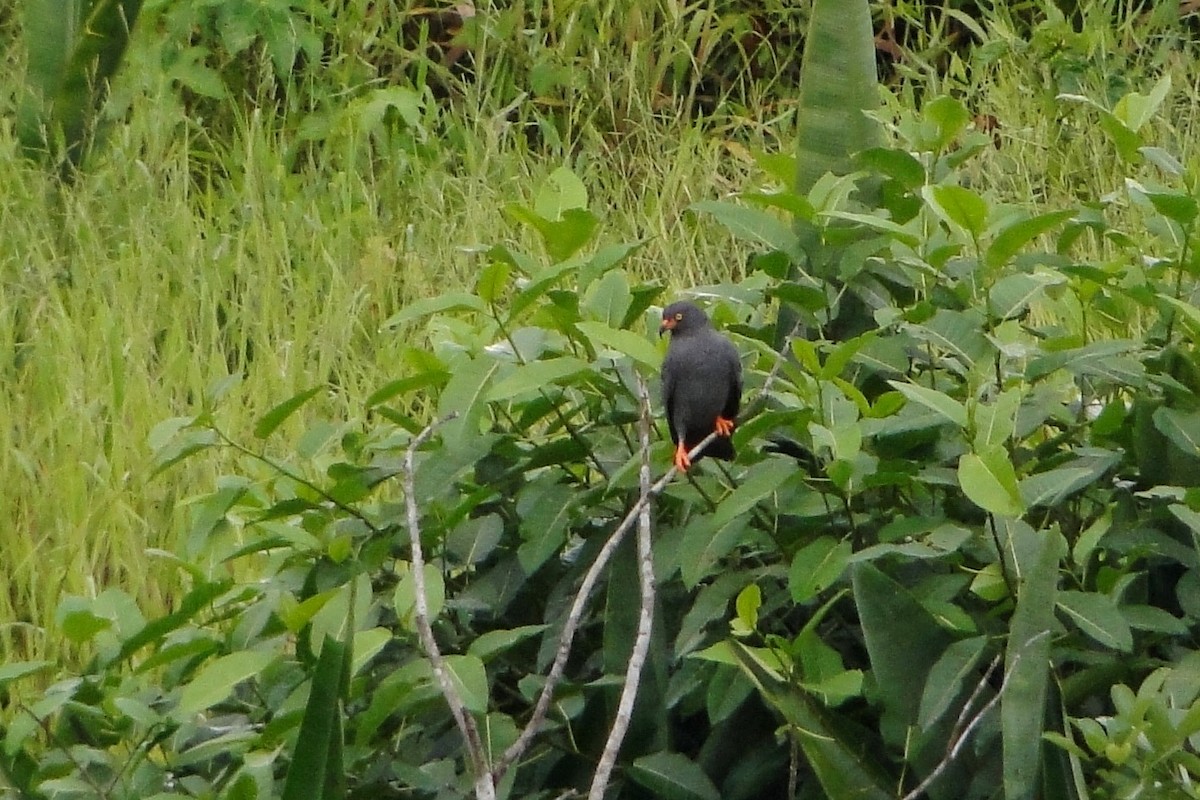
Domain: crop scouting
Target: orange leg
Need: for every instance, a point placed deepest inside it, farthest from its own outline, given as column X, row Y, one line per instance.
column 724, row 427
column 682, row 462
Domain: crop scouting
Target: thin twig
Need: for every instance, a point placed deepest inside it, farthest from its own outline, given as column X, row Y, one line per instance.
column 575, row 616
column 955, row 745
column 641, row 644
column 485, row 788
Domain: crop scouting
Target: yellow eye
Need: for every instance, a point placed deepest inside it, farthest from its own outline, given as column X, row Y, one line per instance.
column 679, row 316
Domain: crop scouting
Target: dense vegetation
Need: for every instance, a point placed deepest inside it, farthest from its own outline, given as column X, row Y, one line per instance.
column 335, row 281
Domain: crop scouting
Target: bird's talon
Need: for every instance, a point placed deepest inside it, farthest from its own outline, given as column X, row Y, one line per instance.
column 724, row 426
column 682, row 462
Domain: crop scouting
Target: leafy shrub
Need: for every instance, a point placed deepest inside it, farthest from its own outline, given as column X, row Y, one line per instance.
column 957, row 530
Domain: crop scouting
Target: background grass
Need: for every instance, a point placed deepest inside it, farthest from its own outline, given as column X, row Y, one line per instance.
column 180, row 258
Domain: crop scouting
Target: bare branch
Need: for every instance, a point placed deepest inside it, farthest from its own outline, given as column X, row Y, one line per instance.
column 641, row 644
column 485, row 788
column 575, row 616
column 960, row 734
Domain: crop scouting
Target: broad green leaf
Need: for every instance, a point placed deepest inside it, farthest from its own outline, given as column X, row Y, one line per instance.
column 711, row 538
column 537, row 375
column 316, row 771
column 1011, row 296
column 1027, row 667
column 987, row 478
column 465, row 394
column 1097, row 616
column 883, row 225
column 897, row 164
column 492, row 281
column 838, row 92
column 903, row 641
column 451, row 301
column 1015, row 235
column 946, row 677
column 268, row 422
column 367, row 645
column 15, row 670
column 817, row 566
column 749, row 601
column 608, row 300
column 959, row 206
column 404, row 598
column 563, row 191
column 1134, row 110
column 1053, row 486
column 470, row 678
column 1181, row 427
column 995, row 421
column 493, row 643
column 562, row 237
column 626, row 342
column 934, row 400
column 751, row 225
column 672, row 776
column 545, row 508
column 951, row 118
column 833, row 748
column 218, row 678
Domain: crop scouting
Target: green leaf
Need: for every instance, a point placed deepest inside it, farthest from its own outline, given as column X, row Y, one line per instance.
column 897, row 164
column 1027, row 667
column 1097, row 616
column 627, row 343
column 838, row 92
column 903, row 641
column 747, row 604
column 996, row 421
column 673, row 776
column 493, row 643
column 1012, row 295
column 537, row 375
column 470, row 678
column 268, row 422
column 1053, row 486
column 316, row 771
column 1015, row 235
column 946, row 677
column 881, row 224
column 751, row 225
column 710, row 538
column 218, row 678
column 404, row 598
column 959, row 206
column 492, row 281
column 817, row 566
column 1134, row 110
column 563, row 191
column 934, row 400
column 465, row 394
column 450, row 301
column 987, row 478
column 834, row 749
column 1181, row 427
column 15, row 670
column 562, row 237
column 951, row 118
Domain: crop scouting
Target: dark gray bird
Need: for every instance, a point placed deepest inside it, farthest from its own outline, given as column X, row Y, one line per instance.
column 701, row 383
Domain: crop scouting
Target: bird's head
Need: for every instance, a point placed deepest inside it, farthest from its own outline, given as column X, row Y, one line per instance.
column 681, row 317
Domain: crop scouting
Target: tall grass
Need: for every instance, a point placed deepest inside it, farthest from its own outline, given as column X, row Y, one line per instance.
column 176, row 261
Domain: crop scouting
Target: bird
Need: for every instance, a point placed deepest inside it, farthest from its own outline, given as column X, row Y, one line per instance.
column 701, row 383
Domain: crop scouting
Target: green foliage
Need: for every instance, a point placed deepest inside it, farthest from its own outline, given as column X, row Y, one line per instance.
column 75, row 47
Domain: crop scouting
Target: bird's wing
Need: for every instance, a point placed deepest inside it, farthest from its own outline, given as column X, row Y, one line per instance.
column 733, row 399
column 669, row 369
